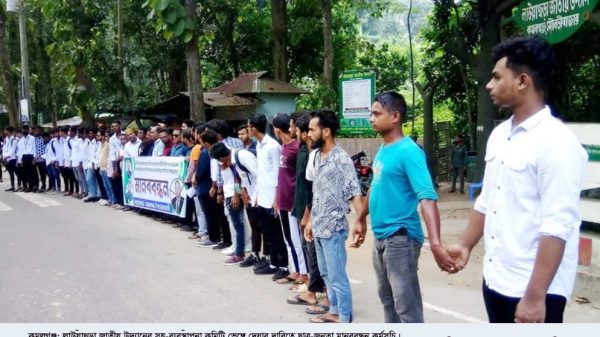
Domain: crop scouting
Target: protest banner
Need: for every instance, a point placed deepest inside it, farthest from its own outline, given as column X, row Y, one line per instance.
column 156, row 184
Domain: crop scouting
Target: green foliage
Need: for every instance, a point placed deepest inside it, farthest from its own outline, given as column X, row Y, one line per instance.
column 170, row 18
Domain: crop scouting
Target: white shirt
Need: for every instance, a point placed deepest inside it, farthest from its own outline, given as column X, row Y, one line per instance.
column 67, row 145
column 114, row 145
column 159, row 148
column 9, row 150
column 531, row 188
column 249, row 161
column 49, row 154
column 133, row 149
column 267, row 155
column 25, row 146
column 310, row 166
column 90, row 153
column 77, row 145
column 53, row 151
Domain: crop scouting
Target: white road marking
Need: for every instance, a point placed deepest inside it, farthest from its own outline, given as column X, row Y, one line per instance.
column 39, row 200
column 4, row 207
column 451, row 313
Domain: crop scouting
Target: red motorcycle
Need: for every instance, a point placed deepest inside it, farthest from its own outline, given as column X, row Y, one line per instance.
column 364, row 172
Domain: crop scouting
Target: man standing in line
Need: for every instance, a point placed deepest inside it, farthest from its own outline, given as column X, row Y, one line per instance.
column 77, row 152
column 51, row 156
column 9, row 155
column 115, row 148
column 25, row 158
column 244, row 136
column 284, row 200
column 268, row 152
column 400, row 177
column 334, row 185
column 89, row 166
column 459, row 164
column 159, row 146
column 528, row 210
column 40, row 163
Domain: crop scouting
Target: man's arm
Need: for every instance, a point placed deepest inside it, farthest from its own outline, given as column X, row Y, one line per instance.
column 431, row 216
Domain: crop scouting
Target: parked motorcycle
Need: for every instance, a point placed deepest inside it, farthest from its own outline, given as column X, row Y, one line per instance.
column 364, row 172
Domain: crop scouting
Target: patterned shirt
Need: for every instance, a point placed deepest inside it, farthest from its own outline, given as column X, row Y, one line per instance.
column 40, row 148
column 334, row 185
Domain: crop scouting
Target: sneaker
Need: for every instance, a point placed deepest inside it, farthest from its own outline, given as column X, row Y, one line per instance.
column 261, row 263
column 207, row 244
column 233, row 260
column 249, row 261
column 228, row 251
column 267, row 270
column 222, row 246
column 12, row 189
column 281, row 273
column 102, row 202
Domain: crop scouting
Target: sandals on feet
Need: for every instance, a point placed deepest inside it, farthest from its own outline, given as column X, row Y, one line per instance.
column 322, row 319
column 300, row 301
column 317, row 309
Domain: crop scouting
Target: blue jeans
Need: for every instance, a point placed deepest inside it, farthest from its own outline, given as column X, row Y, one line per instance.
column 331, row 257
column 108, row 187
column 237, row 218
column 92, row 185
column 54, row 177
column 395, row 260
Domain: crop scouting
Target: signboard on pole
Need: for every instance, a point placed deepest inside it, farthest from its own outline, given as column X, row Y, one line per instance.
column 554, row 20
column 156, row 184
column 357, row 91
column 24, row 104
column 11, row 6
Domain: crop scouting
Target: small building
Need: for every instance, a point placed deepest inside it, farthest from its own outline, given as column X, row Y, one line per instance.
column 271, row 96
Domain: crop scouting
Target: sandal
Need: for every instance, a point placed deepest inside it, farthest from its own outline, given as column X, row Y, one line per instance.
column 300, row 301
column 322, row 319
column 302, row 288
column 322, row 309
column 285, row 280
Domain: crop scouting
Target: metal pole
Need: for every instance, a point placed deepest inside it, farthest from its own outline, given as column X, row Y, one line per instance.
column 24, row 58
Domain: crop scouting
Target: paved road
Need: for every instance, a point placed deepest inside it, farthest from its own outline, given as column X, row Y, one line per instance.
column 65, row 261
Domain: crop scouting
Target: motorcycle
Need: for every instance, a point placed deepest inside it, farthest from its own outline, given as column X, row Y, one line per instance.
column 364, row 172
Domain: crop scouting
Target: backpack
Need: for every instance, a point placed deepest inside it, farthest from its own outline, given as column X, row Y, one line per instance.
column 239, row 164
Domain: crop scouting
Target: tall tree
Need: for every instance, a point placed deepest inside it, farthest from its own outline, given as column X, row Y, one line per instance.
column 8, row 86
column 327, row 51
column 279, row 31
column 192, row 55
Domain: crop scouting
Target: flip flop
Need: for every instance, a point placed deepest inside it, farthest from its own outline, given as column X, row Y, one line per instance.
column 301, row 289
column 321, row 319
column 284, row 280
column 300, row 301
column 323, row 307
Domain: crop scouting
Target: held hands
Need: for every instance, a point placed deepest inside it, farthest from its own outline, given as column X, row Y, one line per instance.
column 235, row 202
column 245, row 197
column 459, row 255
column 443, row 259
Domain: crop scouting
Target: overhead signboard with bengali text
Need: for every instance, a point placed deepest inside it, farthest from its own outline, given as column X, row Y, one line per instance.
column 554, row 20
column 357, row 91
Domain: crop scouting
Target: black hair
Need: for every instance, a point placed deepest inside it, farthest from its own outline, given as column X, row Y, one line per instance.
column 54, row 130
column 328, row 120
column 296, row 115
column 9, row 129
column 303, row 122
column 81, row 130
column 170, row 131
column 25, row 127
column 45, row 134
column 209, row 137
column 219, row 150
column 200, row 128
column 530, row 55
column 219, row 126
column 259, row 122
column 159, row 130
column 18, row 130
column 93, row 129
column 392, row 102
column 188, row 122
column 242, row 127
column 64, row 129
column 144, row 130
column 116, row 121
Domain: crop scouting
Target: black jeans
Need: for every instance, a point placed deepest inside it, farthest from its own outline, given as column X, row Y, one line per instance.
column 316, row 284
column 11, row 167
column 43, row 172
column 501, row 309
column 209, row 206
column 256, row 232
column 30, row 176
column 273, row 237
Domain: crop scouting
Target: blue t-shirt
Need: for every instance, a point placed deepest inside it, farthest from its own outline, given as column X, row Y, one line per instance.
column 400, row 180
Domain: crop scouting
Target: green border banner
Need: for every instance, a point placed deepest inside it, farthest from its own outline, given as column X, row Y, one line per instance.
column 554, row 20
column 357, row 91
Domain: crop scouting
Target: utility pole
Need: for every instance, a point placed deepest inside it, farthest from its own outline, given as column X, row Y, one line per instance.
column 25, row 97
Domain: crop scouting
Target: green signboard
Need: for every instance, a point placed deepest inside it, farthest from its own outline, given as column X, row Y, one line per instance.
column 554, row 20
column 357, row 91
column 593, row 152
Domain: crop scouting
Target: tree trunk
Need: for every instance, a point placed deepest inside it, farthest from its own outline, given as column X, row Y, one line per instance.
column 44, row 97
column 427, row 92
column 233, row 54
column 279, row 31
column 8, row 86
column 328, row 51
column 192, row 55
column 486, row 110
column 176, row 78
column 82, row 78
